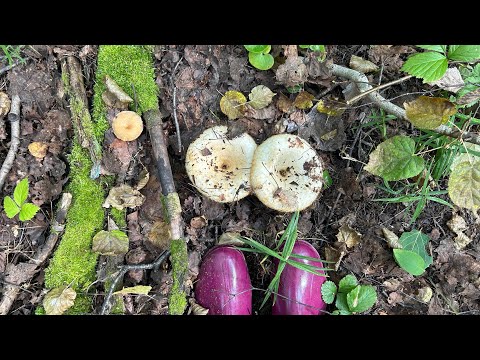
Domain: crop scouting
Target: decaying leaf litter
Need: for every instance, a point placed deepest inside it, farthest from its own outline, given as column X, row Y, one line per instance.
column 344, row 224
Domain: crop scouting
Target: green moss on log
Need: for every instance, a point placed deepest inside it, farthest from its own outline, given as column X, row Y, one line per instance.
column 177, row 301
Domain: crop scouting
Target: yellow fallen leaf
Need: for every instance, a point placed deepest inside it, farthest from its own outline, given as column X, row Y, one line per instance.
column 38, row 149
column 232, row 104
column 139, row 290
column 331, row 107
column 303, row 100
column 429, row 112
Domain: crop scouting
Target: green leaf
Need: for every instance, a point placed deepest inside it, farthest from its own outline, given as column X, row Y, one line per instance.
column 341, row 312
column 347, row 284
column 11, row 209
column 114, row 242
column 429, row 66
column 329, row 290
column 464, row 52
column 427, row 112
column 139, row 289
column 394, row 159
column 409, row 261
column 341, row 302
column 464, row 182
column 261, row 61
column 28, row 211
column 20, row 193
column 439, row 48
column 258, row 48
column 362, row 298
column 416, row 241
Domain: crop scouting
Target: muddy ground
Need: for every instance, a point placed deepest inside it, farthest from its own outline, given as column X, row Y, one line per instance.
column 202, row 74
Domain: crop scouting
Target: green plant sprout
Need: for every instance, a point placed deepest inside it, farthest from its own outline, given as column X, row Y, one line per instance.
column 18, row 204
column 259, row 57
column 351, row 297
column 316, row 49
column 12, row 53
column 432, row 64
column 284, row 256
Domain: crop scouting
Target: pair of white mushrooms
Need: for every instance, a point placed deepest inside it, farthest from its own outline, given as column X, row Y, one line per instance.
column 284, row 172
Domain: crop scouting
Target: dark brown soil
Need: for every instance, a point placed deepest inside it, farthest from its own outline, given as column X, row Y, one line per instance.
column 202, row 76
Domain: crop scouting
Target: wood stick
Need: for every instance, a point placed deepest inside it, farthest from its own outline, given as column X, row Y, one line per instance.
column 14, row 118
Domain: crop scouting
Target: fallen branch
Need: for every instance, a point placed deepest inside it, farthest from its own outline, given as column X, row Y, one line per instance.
column 173, row 212
column 17, row 275
column 121, row 273
column 14, row 118
column 177, row 127
column 75, row 88
column 363, row 86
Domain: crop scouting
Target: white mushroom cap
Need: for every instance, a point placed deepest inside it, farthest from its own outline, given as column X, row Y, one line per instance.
column 286, row 173
column 220, row 167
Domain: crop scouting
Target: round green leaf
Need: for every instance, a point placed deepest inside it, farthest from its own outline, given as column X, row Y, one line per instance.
column 464, row 182
column 416, row 241
column 429, row 66
column 258, row 48
column 394, row 159
column 409, row 261
column 329, row 290
column 347, row 284
column 362, row 298
column 261, row 61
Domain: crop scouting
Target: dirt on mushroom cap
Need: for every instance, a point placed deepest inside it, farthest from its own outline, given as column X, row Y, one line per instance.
column 286, row 173
column 219, row 167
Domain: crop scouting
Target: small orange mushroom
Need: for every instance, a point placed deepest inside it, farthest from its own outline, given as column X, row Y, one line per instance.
column 127, row 125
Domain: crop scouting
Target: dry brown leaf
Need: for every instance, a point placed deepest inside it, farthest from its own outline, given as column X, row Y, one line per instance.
column 144, row 177
column 457, row 224
column 160, row 235
column 303, row 100
column 198, row 222
column 348, row 235
column 364, row 66
column 59, row 300
column 4, row 104
column 292, row 72
column 110, row 243
column 392, row 239
column 232, row 104
column 452, row 80
column 196, row 308
column 335, row 254
column 284, row 104
column 38, row 149
column 138, row 290
column 429, row 112
column 469, row 97
column 425, row 294
column 114, row 96
column 123, row 196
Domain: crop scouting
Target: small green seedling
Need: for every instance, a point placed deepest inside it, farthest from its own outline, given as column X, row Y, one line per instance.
column 351, row 297
column 316, row 49
column 12, row 53
column 18, row 204
column 432, row 64
column 412, row 256
column 259, row 57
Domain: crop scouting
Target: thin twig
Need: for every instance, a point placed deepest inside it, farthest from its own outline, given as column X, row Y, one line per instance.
column 362, row 84
column 377, row 88
column 177, row 126
column 123, row 270
column 8, row 67
column 14, row 118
